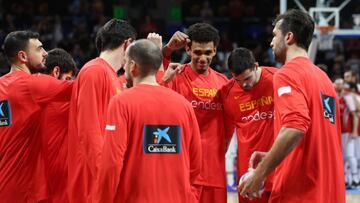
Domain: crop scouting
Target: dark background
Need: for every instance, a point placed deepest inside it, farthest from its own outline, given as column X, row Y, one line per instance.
column 72, row 25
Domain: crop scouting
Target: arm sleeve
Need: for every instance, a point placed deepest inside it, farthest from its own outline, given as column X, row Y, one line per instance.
column 45, row 89
column 229, row 123
column 115, row 145
column 91, row 104
column 290, row 101
column 195, row 148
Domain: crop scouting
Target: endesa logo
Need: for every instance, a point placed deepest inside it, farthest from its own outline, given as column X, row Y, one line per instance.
column 206, row 105
column 258, row 116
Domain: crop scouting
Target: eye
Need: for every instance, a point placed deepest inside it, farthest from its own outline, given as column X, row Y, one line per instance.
column 208, row 53
column 198, row 53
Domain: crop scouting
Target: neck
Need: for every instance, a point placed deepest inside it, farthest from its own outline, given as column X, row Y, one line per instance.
column 258, row 74
column 113, row 57
column 19, row 67
column 294, row 52
column 147, row 80
column 202, row 72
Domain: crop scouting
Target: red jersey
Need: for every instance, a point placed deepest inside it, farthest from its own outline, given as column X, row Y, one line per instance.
column 305, row 99
column 122, row 80
column 252, row 112
column 95, row 85
column 22, row 98
column 201, row 92
column 347, row 107
column 152, row 150
column 54, row 132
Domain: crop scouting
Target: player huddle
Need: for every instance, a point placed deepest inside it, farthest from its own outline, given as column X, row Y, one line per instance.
column 160, row 132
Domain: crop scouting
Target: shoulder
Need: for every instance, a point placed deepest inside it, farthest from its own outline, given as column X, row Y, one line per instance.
column 219, row 76
column 94, row 70
column 42, row 79
column 225, row 90
column 269, row 70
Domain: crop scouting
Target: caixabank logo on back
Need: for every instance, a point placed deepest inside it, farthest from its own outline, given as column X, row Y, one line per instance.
column 329, row 106
column 162, row 139
column 5, row 113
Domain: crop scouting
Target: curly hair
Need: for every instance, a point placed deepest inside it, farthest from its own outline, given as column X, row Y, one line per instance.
column 203, row 33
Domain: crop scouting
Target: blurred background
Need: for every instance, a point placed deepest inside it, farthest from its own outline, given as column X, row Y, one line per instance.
column 72, row 25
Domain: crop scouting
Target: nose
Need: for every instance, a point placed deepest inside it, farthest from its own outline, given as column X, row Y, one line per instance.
column 45, row 54
column 203, row 58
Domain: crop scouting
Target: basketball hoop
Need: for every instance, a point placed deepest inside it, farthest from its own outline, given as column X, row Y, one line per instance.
column 326, row 37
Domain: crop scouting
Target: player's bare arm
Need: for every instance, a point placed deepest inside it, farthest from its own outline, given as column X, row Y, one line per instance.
column 177, row 41
column 172, row 70
column 256, row 158
column 157, row 39
column 287, row 140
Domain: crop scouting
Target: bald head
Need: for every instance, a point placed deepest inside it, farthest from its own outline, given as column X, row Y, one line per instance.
column 146, row 55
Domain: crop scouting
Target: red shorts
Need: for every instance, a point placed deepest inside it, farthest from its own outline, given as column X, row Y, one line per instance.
column 208, row 194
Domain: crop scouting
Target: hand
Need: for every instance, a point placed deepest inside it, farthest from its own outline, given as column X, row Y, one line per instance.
column 156, row 38
column 250, row 188
column 172, row 70
column 354, row 135
column 178, row 41
column 256, row 158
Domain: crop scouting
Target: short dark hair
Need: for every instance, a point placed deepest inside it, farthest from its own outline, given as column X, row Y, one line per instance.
column 147, row 55
column 203, row 33
column 17, row 41
column 62, row 59
column 241, row 59
column 113, row 34
column 300, row 24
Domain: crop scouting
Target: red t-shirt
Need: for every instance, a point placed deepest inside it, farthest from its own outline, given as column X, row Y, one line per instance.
column 54, row 133
column 152, row 150
column 201, row 92
column 305, row 99
column 95, row 85
column 252, row 112
column 22, row 99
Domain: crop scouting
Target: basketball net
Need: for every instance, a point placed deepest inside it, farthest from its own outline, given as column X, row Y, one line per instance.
column 326, row 37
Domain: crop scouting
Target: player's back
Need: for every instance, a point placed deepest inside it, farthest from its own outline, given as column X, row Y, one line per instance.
column 157, row 163
column 313, row 171
column 22, row 97
column 95, row 85
column 54, row 131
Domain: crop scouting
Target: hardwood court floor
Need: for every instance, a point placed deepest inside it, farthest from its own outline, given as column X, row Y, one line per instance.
column 351, row 197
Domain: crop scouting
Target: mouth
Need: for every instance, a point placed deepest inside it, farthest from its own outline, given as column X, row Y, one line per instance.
column 202, row 65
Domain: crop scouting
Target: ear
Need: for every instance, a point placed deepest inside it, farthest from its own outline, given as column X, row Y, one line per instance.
column 127, row 42
column 215, row 49
column 188, row 49
column 56, row 72
column 134, row 69
column 289, row 38
column 22, row 56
